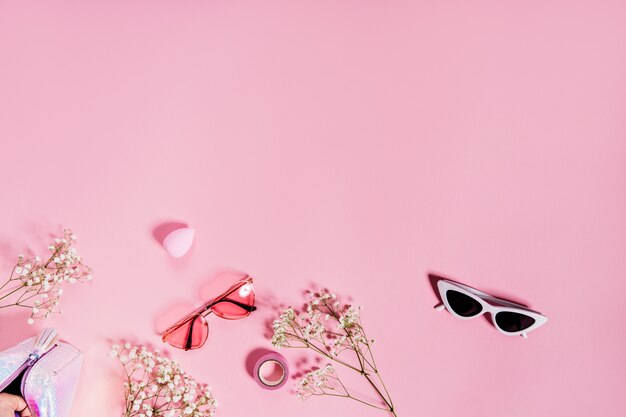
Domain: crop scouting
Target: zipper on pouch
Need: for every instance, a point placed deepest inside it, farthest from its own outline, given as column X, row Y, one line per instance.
column 25, row 367
column 17, row 372
column 44, row 343
column 32, row 359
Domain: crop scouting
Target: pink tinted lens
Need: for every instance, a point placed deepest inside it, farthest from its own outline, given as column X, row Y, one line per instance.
column 237, row 304
column 191, row 334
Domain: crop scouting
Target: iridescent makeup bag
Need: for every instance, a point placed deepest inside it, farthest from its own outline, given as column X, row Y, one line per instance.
column 45, row 371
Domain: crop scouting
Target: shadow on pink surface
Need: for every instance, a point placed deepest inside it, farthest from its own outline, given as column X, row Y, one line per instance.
column 160, row 231
column 433, row 278
column 253, row 357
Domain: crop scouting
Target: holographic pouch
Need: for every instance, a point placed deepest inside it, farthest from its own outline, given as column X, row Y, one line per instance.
column 45, row 370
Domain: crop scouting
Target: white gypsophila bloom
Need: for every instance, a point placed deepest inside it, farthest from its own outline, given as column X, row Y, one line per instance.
column 349, row 318
column 37, row 282
column 281, row 327
column 163, row 388
column 328, row 327
column 316, row 382
column 315, row 325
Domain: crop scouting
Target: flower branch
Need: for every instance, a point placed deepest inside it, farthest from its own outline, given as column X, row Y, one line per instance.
column 156, row 386
column 36, row 283
column 331, row 329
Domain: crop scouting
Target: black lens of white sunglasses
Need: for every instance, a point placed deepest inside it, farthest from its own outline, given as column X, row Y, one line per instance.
column 462, row 304
column 513, row 322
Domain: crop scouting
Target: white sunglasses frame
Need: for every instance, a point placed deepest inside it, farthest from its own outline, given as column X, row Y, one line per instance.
column 490, row 304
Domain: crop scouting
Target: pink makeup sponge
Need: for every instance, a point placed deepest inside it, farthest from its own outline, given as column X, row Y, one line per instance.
column 178, row 242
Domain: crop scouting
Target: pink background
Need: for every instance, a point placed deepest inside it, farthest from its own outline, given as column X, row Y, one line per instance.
column 357, row 144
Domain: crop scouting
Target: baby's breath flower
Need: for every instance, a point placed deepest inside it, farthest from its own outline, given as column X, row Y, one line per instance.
column 33, row 277
column 162, row 388
column 329, row 327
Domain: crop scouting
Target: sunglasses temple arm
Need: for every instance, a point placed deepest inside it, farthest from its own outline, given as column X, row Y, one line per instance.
column 221, row 298
column 207, row 310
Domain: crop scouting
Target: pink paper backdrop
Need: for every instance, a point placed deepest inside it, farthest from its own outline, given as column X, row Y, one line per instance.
column 357, row 144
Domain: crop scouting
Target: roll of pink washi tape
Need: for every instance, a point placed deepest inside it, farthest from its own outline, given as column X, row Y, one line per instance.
column 271, row 370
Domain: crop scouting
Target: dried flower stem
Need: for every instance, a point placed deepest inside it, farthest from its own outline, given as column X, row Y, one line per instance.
column 36, row 284
column 307, row 330
column 156, row 386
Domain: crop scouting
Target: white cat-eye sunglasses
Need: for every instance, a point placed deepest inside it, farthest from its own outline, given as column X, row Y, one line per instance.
column 509, row 318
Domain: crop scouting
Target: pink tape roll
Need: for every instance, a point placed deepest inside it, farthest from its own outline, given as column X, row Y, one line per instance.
column 271, row 371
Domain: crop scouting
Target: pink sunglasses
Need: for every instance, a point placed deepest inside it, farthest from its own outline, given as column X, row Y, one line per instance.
column 193, row 330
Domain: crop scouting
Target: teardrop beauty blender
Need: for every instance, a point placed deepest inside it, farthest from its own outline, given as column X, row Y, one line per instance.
column 178, row 242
